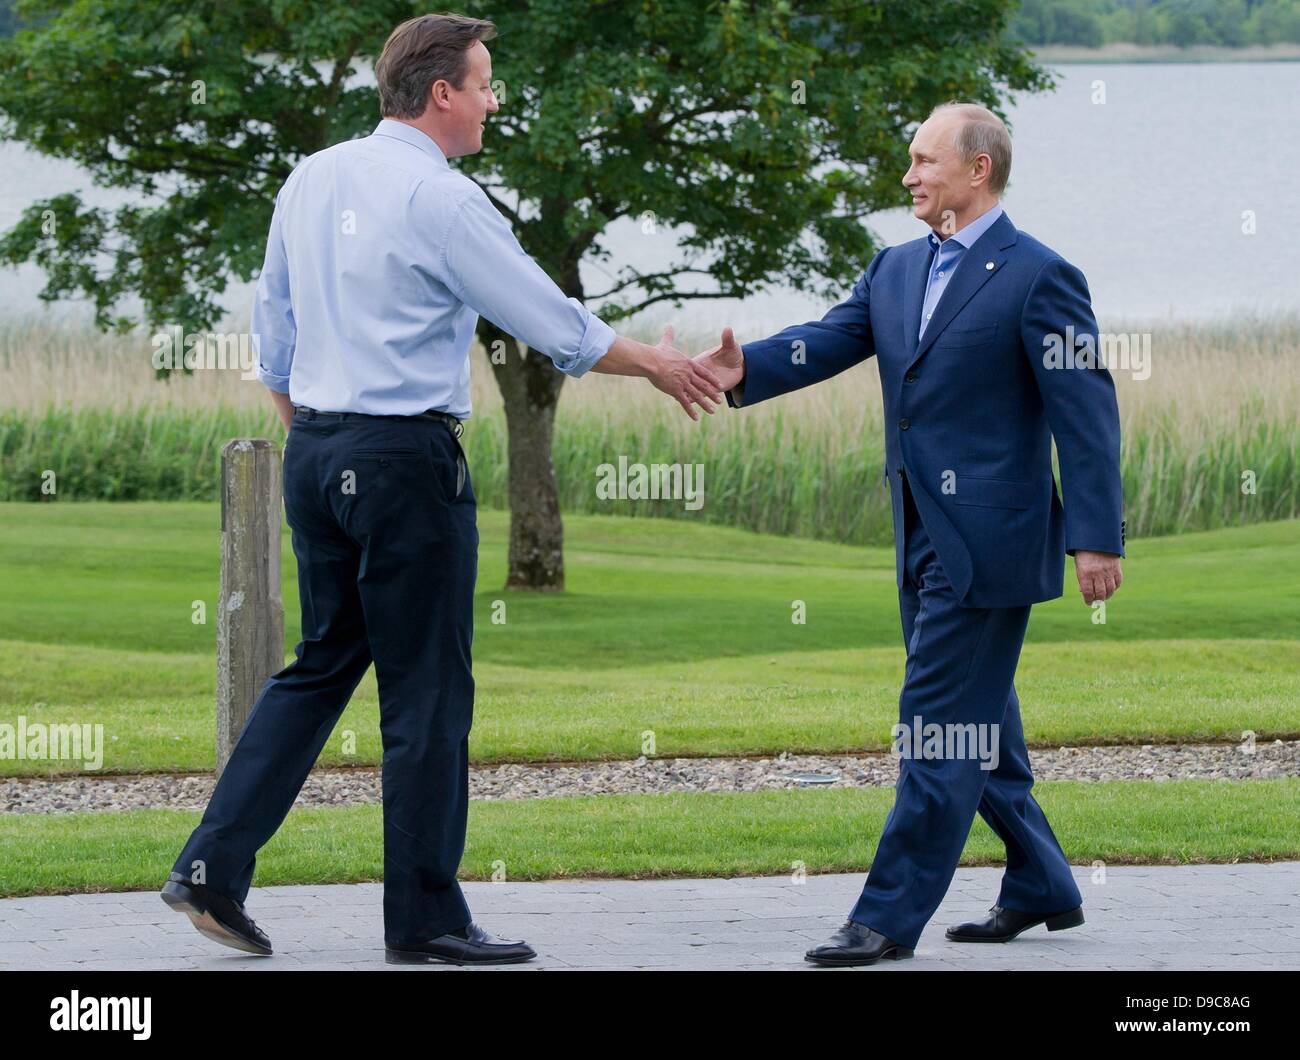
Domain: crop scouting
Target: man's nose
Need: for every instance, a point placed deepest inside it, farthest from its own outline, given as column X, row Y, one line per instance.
column 493, row 106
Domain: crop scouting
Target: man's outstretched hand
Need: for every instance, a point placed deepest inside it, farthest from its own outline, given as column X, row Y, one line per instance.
column 1099, row 574
column 726, row 360
column 690, row 382
column 670, row 370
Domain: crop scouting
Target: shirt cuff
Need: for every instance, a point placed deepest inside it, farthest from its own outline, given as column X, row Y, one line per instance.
column 278, row 383
column 736, row 395
column 597, row 338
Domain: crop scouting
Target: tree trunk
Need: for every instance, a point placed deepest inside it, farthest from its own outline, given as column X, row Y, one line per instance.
column 530, row 388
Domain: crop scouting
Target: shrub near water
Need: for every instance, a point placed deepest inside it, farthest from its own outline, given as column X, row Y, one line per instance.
column 1218, row 411
column 120, row 455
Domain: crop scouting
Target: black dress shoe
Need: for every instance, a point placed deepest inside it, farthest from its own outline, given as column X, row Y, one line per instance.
column 220, row 918
column 1002, row 925
column 854, row 944
column 469, row 945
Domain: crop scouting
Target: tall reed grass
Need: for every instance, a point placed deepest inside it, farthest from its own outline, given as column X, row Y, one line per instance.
column 1220, row 406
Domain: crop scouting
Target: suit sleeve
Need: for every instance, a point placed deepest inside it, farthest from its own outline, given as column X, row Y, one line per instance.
column 804, row 354
column 1079, row 397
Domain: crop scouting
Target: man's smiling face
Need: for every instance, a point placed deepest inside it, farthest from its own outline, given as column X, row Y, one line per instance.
column 938, row 178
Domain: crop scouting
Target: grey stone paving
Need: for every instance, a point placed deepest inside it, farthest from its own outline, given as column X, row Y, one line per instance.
column 1140, row 917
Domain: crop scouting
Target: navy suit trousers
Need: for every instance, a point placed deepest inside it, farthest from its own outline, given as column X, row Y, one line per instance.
column 382, row 515
column 961, row 662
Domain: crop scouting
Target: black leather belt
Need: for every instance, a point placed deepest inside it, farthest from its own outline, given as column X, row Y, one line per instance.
column 457, row 427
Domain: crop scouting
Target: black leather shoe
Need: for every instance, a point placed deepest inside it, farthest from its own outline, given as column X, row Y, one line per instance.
column 470, row 945
column 220, row 918
column 856, row 943
column 1002, row 925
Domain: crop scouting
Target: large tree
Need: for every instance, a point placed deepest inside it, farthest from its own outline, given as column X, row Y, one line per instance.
column 762, row 133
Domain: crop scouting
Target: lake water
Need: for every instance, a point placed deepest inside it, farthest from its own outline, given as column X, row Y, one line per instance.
column 1147, row 192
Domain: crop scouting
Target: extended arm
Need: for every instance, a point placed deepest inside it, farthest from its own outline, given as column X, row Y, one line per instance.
column 489, row 271
column 800, row 355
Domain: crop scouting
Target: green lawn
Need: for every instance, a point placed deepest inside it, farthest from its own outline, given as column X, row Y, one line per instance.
column 669, row 626
column 665, row 835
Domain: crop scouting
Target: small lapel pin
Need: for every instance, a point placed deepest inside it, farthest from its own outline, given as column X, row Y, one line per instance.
column 988, row 264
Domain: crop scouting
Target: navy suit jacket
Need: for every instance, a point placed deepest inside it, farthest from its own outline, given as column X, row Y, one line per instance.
column 971, row 409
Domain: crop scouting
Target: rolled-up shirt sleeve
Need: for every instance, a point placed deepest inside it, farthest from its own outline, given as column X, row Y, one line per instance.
column 489, row 271
column 273, row 330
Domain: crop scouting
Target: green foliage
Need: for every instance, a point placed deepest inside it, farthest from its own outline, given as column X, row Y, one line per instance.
column 1092, row 23
column 121, row 455
column 709, row 834
column 771, row 135
column 793, row 476
column 97, row 620
column 200, row 109
column 1059, row 22
column 770, row 129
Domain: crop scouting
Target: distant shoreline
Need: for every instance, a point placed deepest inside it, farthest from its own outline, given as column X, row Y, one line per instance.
column 1166, row 53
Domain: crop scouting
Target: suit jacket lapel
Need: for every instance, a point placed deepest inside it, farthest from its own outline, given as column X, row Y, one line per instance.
column 914, row 296
column 971, row 274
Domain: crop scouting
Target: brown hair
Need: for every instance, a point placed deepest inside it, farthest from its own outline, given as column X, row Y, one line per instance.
column 423, row 50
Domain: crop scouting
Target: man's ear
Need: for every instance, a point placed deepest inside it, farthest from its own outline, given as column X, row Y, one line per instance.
column 439, row 94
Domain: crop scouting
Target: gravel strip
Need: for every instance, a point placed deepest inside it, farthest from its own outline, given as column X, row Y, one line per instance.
column 338, row 787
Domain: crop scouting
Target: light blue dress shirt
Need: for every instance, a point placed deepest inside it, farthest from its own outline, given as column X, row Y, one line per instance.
column 947, row 255
column 379, row 261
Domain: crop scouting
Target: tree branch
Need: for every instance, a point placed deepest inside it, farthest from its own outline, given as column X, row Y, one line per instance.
column 341, row 70
column 683, row 297
column 640, row 278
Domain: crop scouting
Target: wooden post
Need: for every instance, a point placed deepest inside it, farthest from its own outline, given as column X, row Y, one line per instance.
column 250, row 615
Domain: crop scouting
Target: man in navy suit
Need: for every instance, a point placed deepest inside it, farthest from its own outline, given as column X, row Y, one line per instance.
column 987, row 349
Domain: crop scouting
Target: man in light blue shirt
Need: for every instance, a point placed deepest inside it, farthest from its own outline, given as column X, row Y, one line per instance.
column 395, row 255
column 379, row 261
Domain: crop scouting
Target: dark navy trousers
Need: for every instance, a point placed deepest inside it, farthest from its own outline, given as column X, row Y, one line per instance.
column 383, row 520
column 961, row 663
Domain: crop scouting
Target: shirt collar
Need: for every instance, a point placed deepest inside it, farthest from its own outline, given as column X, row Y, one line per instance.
column 399, row 130
column 976, row 228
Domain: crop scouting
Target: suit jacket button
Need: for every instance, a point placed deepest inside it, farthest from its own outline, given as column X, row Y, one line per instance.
column 904, row 423
column 910, row 377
